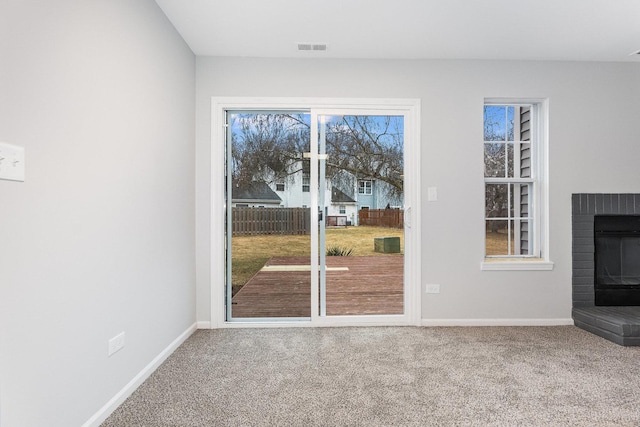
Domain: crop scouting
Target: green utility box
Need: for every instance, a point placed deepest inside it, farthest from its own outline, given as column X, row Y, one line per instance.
column 386, row 245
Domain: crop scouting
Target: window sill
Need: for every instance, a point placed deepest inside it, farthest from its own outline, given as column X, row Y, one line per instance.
column 516, row 264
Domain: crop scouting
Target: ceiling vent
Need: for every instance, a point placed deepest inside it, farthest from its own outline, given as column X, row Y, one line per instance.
column 318, row 47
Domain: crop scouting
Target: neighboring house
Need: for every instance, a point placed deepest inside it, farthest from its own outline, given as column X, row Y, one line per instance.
column 374, row 194
column 343, row 206
column 294, row 191
column 263, row 195
column 255, row 195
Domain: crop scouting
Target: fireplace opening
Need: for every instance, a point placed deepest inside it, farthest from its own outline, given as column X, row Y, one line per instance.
column 617, row 260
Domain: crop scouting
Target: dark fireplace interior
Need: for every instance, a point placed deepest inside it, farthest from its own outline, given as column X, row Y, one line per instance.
column 617, row 260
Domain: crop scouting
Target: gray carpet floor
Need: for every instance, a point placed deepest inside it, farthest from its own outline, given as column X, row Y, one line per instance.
column 391, row 376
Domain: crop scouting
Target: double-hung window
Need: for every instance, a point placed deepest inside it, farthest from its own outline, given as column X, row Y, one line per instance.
column 364, row 187
column 514, row 174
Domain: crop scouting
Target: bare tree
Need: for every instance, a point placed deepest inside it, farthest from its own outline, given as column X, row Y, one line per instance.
column 367, row 147
column 268, row 147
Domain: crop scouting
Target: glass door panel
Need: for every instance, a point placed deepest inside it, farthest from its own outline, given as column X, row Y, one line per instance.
column 268, row 268
column 361, row 215
column 315, row 215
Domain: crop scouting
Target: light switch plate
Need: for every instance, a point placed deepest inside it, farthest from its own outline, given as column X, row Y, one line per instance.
column 11, row 162
column 432, row 194
column 116, row 343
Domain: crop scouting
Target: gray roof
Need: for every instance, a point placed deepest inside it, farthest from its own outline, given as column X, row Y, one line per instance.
column 256, row 192
column 338, row 196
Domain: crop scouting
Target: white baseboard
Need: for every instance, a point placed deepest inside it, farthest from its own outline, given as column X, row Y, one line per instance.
column 204, row 324
column 126, row 391
column 497, row 322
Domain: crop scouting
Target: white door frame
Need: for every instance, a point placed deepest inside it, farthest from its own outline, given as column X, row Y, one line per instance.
column 410, row 109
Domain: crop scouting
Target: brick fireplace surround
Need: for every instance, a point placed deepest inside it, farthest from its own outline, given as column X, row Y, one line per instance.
column 618, row 324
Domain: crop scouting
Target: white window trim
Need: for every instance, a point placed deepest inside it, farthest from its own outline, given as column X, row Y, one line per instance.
column 410, row 108
column 541, row 209
column 370, row 187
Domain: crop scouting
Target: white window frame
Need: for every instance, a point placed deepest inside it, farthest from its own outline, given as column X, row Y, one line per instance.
column 539, row 211
column 306, row 183
column 368, row 190
column 342, row 209
column 410, row 108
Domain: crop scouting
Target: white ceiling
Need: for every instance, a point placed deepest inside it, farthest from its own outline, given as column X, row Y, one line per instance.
column 581, row 30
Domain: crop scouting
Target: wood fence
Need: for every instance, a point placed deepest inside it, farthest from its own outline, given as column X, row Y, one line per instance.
column 255, row 221
column 391, row 218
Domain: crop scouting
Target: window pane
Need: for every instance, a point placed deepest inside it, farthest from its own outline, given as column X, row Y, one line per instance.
column 509, row 123
column 510, row 160
column 494, row 160
column 364, row 187
column 495, row 127
column 510, row 198
column 496, row 201
column 306, row 183
column 499, row 237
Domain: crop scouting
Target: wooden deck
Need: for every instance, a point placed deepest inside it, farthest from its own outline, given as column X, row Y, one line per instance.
column 371, row 285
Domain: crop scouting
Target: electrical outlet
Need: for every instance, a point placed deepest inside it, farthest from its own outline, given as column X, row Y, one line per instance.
column 11, row 162
column 432, row 289
column 116, row 343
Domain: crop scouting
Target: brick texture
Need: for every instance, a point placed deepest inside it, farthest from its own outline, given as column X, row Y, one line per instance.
column 584, row 207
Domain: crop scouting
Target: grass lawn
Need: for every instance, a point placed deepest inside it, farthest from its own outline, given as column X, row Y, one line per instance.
column 250, row 253
column 497, row 243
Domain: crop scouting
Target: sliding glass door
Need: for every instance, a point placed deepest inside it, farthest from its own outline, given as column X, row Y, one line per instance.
column 315, row 215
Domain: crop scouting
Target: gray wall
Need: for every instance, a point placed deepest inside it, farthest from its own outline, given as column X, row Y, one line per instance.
column 593, row 148
column 100, row 237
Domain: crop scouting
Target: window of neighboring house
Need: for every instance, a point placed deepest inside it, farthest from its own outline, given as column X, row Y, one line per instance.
column 280, row 186
column 343, row 209
column 364, row 207
column 513, row 180
column 364, row 187
column 242, row 205
column 305, row 183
